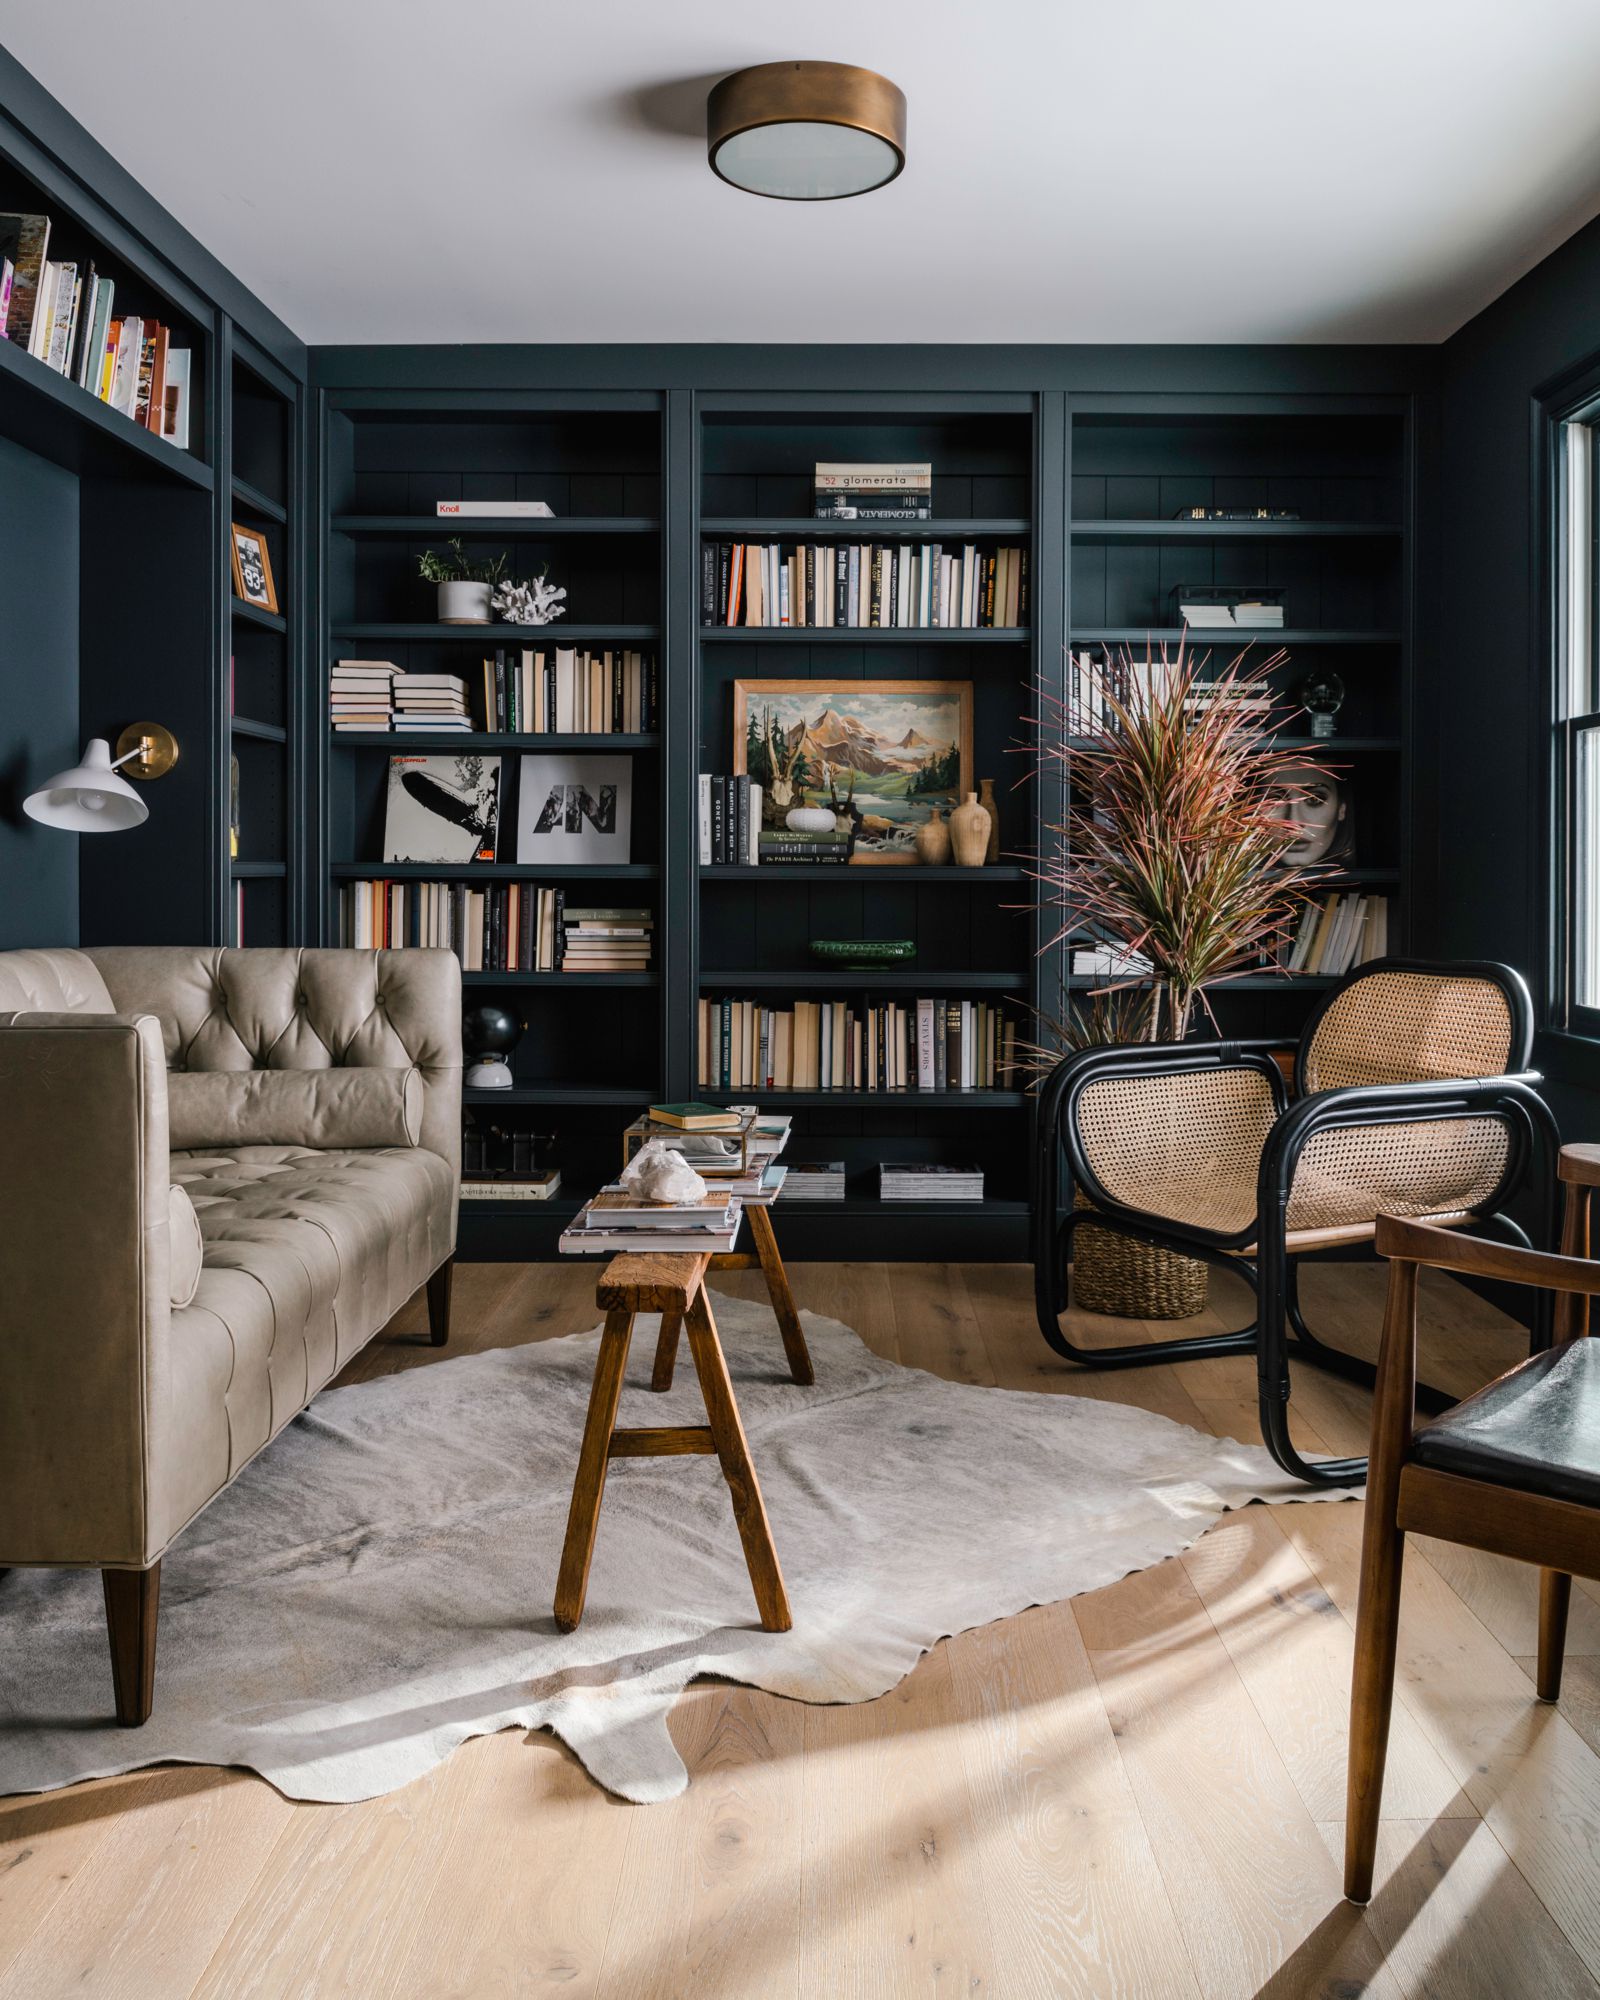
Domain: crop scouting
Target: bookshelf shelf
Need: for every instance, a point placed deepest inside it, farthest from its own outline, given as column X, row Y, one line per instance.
column 832, row 876
column 51, row 416
column 562, row 1094
column 564, row 980
column 252, row 500
column 868, row 635
column 1235, row 531
column 898, row 1100
column 431, row 632
column 898, row 978
column 258, row 871
column 806, row 528
column 252, row 614
column 525, row 527
column 491, row 871
column 1237, row 636
column 390, row 740
column 261, row 732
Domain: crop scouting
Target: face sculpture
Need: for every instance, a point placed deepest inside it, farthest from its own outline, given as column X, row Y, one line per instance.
column 1320, row 807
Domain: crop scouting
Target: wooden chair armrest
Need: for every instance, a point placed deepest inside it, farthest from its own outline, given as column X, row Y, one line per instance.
column 1476, row 1257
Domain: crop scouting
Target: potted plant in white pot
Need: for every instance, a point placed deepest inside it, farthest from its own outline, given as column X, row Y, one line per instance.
column 465, row 587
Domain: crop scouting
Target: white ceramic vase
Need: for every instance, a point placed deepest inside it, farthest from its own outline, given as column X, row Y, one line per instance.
column 464, row 603
column 810, row 819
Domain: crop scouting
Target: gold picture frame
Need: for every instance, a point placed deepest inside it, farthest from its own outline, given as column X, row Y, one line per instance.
column 252, row 568
column 895, row 738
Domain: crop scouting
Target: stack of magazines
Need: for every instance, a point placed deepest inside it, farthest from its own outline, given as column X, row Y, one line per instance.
column 815, row 1180
column 918, row 1180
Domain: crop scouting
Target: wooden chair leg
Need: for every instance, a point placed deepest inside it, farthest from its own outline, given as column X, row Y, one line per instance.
column 794, row 1339
column 733, row 1450
column 588, row 1488
column 1555, row 1595
column 439, row 1302
column 133, row 1599
column 666, row 1351
column 1372, row 1693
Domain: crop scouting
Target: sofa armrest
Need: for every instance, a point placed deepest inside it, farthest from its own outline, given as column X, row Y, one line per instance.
column 84, row 1287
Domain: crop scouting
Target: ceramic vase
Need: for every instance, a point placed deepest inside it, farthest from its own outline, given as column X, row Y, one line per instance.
column 969, row 832
column 933, row 839
column 464, row 603
column 986, row 800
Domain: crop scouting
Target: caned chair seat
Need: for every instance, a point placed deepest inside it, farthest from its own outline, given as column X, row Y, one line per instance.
column 1536, row 1430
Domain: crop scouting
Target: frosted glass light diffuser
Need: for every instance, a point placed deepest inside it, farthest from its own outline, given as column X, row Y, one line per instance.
column 806, row 131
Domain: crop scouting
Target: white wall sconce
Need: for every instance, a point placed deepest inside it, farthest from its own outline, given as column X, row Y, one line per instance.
column 92, row 797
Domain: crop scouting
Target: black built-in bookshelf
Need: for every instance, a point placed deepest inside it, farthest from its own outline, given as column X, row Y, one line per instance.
column 640, row 485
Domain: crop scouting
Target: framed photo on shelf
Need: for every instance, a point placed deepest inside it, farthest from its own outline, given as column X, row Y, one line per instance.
column 881, row 753
column 575, row 809
column 442, row 809
column 252, row 568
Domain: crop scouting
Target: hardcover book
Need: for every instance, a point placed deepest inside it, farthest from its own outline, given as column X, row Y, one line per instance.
column 442, row 809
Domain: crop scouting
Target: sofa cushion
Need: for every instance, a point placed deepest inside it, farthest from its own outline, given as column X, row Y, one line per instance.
column 52, row 982
column 289, row 1107
column 188, row 1247
column 307, row 1254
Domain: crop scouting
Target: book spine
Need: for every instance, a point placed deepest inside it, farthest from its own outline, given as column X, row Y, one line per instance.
column 875, row 600
column 741, row 846
column 703, row 803
column 708, row 583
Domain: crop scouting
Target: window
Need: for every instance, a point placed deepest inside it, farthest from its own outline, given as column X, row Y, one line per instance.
column 1577, row 725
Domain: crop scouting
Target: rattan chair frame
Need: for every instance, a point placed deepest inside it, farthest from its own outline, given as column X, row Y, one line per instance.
column 1279, row 1332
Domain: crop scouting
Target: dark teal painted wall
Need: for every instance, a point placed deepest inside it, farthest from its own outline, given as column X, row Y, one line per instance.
column 38, row 693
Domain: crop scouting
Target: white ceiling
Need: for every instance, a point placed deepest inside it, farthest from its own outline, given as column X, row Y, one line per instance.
column 1127, row 170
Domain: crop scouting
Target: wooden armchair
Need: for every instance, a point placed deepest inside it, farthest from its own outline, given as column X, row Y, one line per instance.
column 1412, row 1095
column 1514, row 1469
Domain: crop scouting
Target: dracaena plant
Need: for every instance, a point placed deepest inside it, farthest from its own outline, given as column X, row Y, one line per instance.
column 1178, row 825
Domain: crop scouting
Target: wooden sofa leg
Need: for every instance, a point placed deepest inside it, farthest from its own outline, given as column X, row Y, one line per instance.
column 133, row 1598
column 439, row 1302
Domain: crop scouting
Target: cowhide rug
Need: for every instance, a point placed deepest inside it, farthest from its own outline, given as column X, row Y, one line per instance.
column 376, row 1587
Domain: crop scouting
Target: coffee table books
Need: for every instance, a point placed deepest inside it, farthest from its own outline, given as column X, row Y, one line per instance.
column 616, row 1220
column 815, row 1180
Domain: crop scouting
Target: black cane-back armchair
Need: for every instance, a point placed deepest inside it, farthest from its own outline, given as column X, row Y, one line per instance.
column 1412, row 1097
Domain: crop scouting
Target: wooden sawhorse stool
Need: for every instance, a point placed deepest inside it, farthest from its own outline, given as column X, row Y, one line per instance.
column 673, row 1285
column 766, row 1255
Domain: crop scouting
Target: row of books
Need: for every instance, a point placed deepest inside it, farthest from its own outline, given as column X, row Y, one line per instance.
column 860, row 490
column 1338, row 931
column 62, row 314
column 1097, row 687
column 835, row 1045
column 571, row 692
column 898, row 1180
column 729, row 819
column 502, row 927
column 917, row 585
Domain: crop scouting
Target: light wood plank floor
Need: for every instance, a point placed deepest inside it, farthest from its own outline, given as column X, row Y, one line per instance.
column 1138, row 1793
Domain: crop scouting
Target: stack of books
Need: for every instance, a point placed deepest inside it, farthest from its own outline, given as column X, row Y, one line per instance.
column 784, row 844
column 918, row 585
column 730, row 821
column 62, row 315
column 430, row 703
column 617, row 1220
column 833, row 1045
column 861, row 490
column 1339, row 931
column 733, row 1146
column 599, row 940
column 815, row 1180
column 919, row 1180
column 361, row 694
column 570, row 692
column 1215, row 607
column 497, row 1184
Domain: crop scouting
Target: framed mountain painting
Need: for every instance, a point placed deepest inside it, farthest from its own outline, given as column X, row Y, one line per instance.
column 881, row 754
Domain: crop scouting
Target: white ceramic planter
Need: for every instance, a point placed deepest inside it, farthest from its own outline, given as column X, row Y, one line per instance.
column 464, row 603
column 810, row 819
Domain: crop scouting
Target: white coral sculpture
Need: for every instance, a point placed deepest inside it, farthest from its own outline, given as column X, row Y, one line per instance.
column 536, row 602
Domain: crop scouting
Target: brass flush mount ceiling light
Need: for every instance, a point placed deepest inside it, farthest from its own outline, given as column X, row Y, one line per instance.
column 806, row 131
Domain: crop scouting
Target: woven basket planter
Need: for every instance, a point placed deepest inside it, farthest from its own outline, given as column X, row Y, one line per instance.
column 1116, row 1274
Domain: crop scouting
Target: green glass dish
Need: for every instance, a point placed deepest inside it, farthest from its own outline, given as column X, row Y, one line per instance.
column 863, row 951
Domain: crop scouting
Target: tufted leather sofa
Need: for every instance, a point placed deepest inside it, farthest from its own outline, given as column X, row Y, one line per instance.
column 132, row 1390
